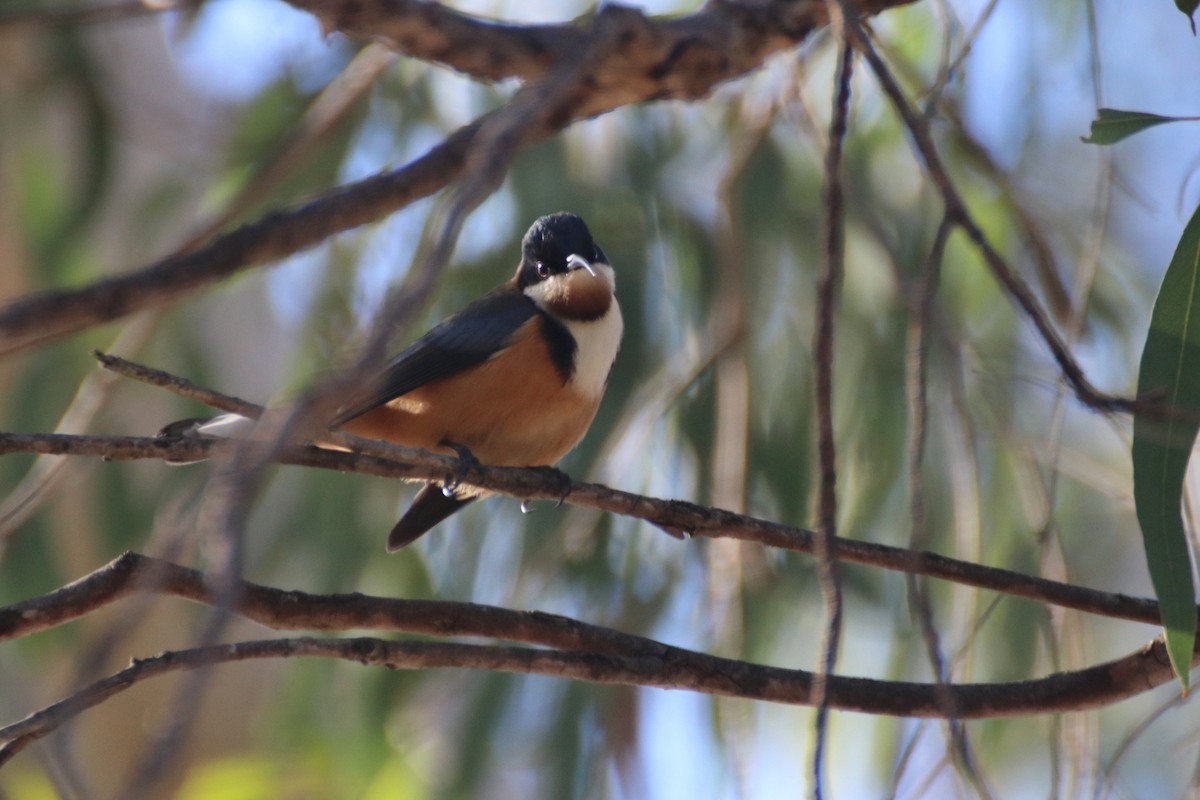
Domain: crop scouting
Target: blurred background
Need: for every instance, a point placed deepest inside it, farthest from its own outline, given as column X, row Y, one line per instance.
column 123, row 141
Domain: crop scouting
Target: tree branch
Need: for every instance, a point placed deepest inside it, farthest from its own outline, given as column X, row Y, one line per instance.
column 957, row 211
column 132, row 573
column 177, row 385
column 670, row 515
column 828, row 292
column 586, row 652
column 641, row 59
column 681, row 57
column 47, row 315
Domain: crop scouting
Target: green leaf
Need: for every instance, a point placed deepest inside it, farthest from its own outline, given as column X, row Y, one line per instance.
column 1170, row 375
column 1189, row 7
column 1113, row 125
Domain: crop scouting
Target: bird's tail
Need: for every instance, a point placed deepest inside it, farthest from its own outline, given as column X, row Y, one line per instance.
column 430, row 507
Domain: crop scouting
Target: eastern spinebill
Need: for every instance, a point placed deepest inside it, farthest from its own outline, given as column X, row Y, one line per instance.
column 514, row 379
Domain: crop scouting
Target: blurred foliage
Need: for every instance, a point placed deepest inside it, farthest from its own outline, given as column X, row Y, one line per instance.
column 118, row 142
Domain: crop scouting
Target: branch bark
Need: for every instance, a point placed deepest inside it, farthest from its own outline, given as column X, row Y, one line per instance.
column 679, row 58
column 389, row 461
column 579, row 651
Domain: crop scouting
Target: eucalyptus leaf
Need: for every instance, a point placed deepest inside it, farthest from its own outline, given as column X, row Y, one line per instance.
column 1188, row 7
column 1169, row 377
column 1113, row 125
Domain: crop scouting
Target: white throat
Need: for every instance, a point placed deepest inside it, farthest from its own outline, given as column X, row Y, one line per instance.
column 596, row 346
column 596, row 340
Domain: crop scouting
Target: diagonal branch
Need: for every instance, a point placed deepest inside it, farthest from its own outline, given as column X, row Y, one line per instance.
column 643, row 59
column 47, row 315
column 177, row 385
column 957, row 211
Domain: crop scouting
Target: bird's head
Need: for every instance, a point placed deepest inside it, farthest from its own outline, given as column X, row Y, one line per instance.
column 564, row 271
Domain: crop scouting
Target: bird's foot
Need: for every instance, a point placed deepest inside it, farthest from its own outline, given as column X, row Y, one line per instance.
column 561, row 481
column 466, row 462
column 562, row 486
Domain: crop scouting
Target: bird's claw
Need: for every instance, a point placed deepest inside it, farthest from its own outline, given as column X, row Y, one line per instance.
column 466, row 462
column 562, row 483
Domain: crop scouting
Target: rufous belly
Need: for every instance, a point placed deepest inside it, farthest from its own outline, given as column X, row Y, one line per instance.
column 514, row 409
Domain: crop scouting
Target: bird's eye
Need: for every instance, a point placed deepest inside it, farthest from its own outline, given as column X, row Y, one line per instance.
column 543, row 269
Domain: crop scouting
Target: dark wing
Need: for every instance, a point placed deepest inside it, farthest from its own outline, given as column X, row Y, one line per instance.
column 468, row 338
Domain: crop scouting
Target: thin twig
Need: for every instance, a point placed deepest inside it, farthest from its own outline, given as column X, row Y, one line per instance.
column 38, row 484
column 957, row 210
column 133, row 573
column 1108, row 777
column 1087, row 268
column 324, row 114
column 177, row 385
column 221, row 522
column 828, row 288
column 725, row 559
column 917, row 402
column 230, row 496
column 972, row 36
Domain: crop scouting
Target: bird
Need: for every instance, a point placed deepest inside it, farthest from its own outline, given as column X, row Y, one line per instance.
column 513, row 379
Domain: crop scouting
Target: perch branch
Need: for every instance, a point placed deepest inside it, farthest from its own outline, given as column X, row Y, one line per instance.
column 670, row 515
